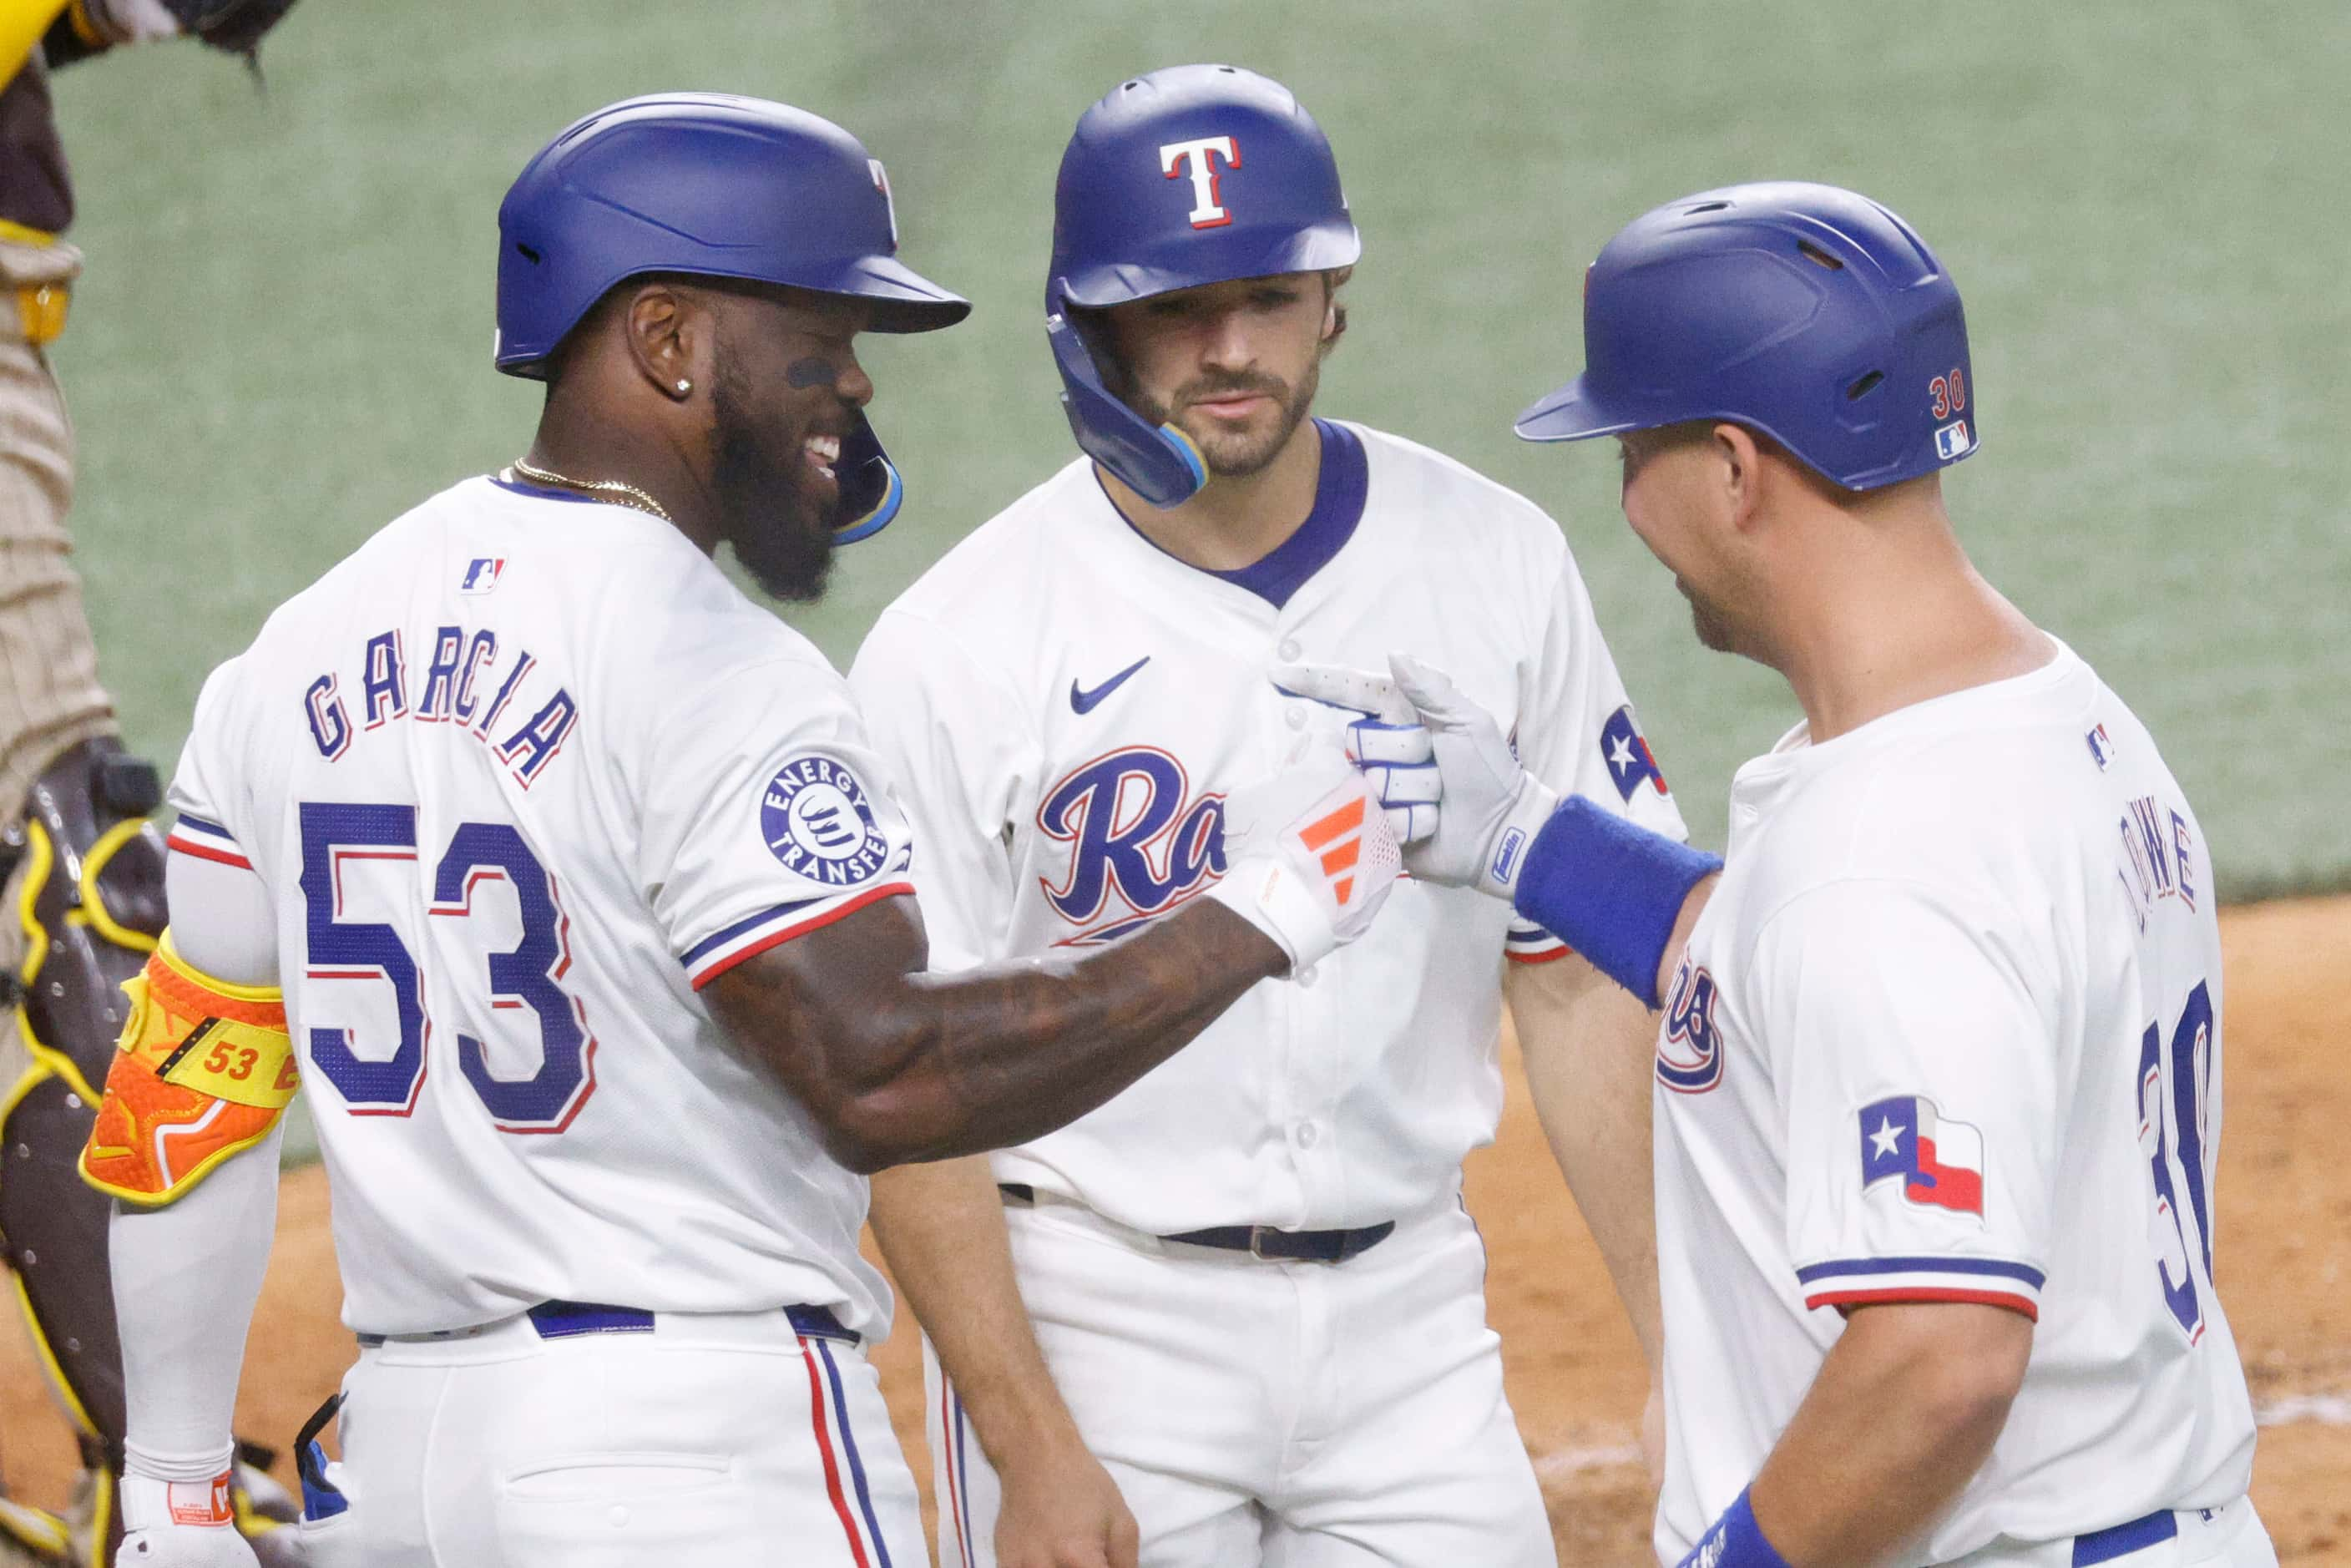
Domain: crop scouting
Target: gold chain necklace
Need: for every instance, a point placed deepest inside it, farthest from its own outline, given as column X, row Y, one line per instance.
column 619, row 495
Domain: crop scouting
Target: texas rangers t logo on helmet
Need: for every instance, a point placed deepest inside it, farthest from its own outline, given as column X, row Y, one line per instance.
column 1198, row 158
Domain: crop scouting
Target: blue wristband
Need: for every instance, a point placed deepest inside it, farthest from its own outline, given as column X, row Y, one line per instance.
column 1734, row 1540
column 1611, row 889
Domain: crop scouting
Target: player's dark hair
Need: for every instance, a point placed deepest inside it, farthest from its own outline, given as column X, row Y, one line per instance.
column 1333, row 281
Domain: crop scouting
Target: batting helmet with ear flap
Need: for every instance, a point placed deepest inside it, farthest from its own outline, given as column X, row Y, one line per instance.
column 1810, row 313
column 1191, row 175
column 712, row 185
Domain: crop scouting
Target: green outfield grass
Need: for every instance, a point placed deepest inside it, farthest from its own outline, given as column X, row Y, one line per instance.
column 283, row 338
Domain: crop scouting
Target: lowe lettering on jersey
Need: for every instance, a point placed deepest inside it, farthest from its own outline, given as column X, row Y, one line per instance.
column 1137, row 836
column 455, row 692
column 2159, row 854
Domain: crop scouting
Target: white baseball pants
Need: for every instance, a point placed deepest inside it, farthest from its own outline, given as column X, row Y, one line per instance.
column 711, row 1442
column 1290, row 1415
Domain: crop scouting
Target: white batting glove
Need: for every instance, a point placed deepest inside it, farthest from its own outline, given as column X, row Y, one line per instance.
column 1309, row 857
column 1385, row 739
column 1416, row 728
column 180, row 1524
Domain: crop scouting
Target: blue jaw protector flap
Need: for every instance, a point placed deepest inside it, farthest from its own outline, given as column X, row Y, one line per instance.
column 871, row 490
column 1158, row 463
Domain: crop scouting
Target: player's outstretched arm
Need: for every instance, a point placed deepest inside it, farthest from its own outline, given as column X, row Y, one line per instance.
column 1902, row 1414
column 896, row 1065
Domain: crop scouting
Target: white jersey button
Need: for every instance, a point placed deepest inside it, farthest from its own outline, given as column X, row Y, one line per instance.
column 1289, row 650
column 1308, row 1135
column 1295, row 717
column 1304, row 976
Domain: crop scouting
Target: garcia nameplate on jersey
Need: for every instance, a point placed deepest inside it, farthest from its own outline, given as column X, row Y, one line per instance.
column 815, row 817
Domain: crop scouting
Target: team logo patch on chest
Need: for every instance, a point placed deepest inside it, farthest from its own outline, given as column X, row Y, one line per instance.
column 817, row 818
column 1140, row 843
column 1689, row 1048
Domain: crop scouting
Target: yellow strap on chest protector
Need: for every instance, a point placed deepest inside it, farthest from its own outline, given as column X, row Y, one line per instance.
column 204, row 1068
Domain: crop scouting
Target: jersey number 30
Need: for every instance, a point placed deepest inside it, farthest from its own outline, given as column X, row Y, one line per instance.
column 2184, row 1083
column 525, row 976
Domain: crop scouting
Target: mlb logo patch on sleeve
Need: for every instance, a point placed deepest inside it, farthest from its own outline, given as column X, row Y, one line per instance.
column 1628, row 754
column 1940, row 1162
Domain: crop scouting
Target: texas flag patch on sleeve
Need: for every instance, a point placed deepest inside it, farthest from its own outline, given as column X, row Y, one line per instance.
column 1939, row 1161
column 1627, row 755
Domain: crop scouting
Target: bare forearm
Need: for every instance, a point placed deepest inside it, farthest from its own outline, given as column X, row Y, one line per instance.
column 1849, row 1482
column 899, row 1065
column 1587, row 1046
column 1000, row 1057
column 1683, row 924
column 941, row 1228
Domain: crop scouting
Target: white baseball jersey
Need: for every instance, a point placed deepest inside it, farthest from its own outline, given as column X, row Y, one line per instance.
column 1949, row 1030
column 1065, row 706
column 520, row 776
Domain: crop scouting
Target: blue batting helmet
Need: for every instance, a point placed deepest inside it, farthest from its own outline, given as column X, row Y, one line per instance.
column 718, row 186
column 1809, row 313
column 1190, row 176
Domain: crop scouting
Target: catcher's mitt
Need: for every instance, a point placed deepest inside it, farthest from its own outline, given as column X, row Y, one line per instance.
column 235, row 25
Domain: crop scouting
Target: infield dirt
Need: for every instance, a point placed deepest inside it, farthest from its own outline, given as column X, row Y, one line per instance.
column 1575, row 1377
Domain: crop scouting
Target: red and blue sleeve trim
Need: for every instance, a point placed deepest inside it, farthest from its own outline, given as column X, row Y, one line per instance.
column 206, row 841
column 1865, row 1281
column 1527, row 944
column 715, row 955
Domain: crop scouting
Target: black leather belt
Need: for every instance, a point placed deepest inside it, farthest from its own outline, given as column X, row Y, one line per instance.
column 1258, row 1241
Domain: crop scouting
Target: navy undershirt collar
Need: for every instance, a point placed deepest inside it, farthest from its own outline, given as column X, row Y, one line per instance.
column 1339, row 493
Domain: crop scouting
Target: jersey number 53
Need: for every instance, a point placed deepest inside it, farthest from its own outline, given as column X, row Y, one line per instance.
column 527, row 975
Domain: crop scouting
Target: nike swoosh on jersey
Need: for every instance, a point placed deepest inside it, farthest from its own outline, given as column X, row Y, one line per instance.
column 1083, row 701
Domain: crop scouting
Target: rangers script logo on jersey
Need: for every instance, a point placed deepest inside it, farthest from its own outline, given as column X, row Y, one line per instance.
column 1140, row 844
